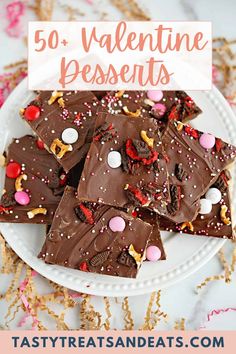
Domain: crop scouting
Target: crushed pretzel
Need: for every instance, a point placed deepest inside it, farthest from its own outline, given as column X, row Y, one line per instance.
column 57, row 143
column 179, row 126
column 137, row 256
column 146, row 139
column 2, row 160
column 226, row 220
column 187, row 224
column 131, row 114
column 55, row 95
column 21, row 112
column 119, row 93
column 61, row 102
column 18, row 182
column 32, row 213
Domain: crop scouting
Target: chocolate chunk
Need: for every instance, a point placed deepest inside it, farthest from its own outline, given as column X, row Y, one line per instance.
column 126, row 259
column 141, row 148
column 104, row 133
column 99, row 258
column 8, row 200
column 222, row 182
column 174, row 205
column 179, row 172
column 54, row 180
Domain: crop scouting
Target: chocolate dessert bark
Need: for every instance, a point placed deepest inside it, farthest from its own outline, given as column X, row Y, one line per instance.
column 162, row 105
column 215, row 217
column 95, row 238
column 34, row 183
column 196, row 160
column 64, row 121
column 126, row 164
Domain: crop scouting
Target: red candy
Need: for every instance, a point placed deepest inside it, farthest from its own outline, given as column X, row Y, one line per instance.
column 63, row 179
column 40, row 144
column 32, row 113
column 84, row 267
column 13, row 170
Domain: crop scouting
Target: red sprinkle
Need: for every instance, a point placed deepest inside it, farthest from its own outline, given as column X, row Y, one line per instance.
column 84, row 267
column 40, row 144
column 88, row 213
column 134, row 214
column 218, row 144
column 174, row 115
column 191, row 132
column 63, row 179
column 13, row 170
column 32, row 113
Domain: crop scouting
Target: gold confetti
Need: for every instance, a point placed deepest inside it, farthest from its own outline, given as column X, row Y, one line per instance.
column 129, row 322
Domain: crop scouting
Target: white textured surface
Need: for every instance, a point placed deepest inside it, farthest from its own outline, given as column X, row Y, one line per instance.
column 179, row 300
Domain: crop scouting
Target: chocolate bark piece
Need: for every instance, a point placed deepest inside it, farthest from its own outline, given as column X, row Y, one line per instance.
column 153, row 219
column 192, row 168
column 211, row 224
column 94, row 247
column 40, row 177
column 171, row 105
column 59, row 111
column 141, row 176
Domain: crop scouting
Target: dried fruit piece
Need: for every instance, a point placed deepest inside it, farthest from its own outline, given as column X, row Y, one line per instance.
column 84, row 267
column 191, row 131
column 99, row 258
column 126, row 259
column 104, row 133
column 136, row 196
column 84, row 212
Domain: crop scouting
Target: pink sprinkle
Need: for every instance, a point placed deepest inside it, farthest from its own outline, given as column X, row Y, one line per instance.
column 14, row 11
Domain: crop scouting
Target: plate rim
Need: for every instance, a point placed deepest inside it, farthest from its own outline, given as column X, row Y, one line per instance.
column 131, row 287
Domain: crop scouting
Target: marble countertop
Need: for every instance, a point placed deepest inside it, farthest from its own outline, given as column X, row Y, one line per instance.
column 180, row 300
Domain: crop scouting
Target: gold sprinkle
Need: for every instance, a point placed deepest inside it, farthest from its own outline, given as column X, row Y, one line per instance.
column 18, row 182
column 146, row 139
column 32, row 213
column 224, row 218
column 187, row 224
column 54, row 96
column 131, row 114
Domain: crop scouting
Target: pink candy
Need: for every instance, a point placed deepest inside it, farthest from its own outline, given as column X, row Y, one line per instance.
column 153, row 253
column 117, row 224
column 22, row 198
column 207, row 141
column 158, row 110
column 155, row 95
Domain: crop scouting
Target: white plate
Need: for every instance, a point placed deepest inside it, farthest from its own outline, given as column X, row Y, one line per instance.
column 186, row 254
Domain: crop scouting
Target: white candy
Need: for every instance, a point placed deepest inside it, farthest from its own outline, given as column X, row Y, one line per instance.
column 214, row 195
column 114, row 159
column 70, row 136
column 205, row 206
